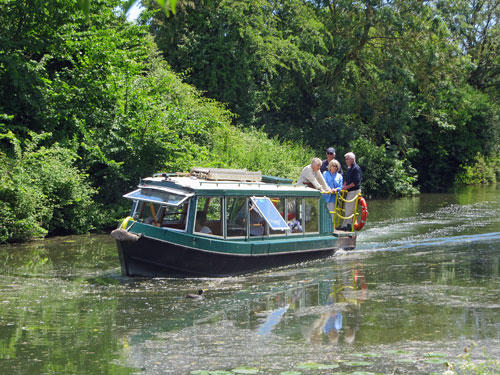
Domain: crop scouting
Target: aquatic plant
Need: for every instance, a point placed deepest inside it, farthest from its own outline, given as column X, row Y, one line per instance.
column 471, row 366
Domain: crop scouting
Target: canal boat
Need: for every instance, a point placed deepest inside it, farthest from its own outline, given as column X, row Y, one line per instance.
column 224, row 222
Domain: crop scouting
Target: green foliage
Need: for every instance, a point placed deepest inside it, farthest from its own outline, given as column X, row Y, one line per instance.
column 395, row 82
column 474, row 366
column 252, row 149
column 483, row 171
column 103, row 92
column 421, row 75
column 384, row 175
column 41, row 190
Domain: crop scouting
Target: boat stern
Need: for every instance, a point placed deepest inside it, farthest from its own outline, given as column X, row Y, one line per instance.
column 345, row 240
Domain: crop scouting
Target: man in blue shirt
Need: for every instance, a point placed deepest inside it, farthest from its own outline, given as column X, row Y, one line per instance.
column 352, row 183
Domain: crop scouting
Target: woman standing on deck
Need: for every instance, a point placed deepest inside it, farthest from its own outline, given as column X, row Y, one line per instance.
column 334, row 180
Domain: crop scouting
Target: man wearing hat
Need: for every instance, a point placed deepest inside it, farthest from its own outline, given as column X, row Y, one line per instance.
column 330, row 155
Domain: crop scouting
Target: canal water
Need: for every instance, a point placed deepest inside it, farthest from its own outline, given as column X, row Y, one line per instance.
column 420, row 295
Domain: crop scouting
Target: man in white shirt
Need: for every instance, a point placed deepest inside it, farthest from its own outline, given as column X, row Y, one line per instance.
column 312, row 177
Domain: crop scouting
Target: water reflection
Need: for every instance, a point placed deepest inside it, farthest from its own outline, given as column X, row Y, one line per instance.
column 343, row 309
column 339, row 313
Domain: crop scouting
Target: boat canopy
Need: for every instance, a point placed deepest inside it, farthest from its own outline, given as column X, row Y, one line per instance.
column 269, row 212
column 169, row 197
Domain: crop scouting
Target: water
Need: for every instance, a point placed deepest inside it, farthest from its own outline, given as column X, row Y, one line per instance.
column 421, row 290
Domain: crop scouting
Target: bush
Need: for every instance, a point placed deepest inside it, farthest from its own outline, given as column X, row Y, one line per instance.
column 253, row 150
column 483, row 171
column 384, row 175
column 41, row 191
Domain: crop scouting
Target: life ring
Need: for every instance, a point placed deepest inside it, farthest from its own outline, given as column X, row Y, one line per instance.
column 364, row 214
column 125, row 221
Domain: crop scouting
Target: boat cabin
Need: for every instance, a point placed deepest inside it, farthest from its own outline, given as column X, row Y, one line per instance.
column 235, row 204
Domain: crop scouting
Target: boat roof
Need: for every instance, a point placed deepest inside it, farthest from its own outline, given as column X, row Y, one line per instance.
column 203, row 185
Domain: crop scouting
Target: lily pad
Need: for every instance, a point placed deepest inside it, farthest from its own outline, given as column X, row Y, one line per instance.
column 399, row 351
column 246, row 370
column 290, row 373
column 362, row 373
column 358, row 363
column 436, row 361
column 309, row 365
column 435, row 355
column 316, row 366
column 327, row 367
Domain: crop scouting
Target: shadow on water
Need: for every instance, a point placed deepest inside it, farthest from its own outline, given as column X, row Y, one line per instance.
column 422, row 288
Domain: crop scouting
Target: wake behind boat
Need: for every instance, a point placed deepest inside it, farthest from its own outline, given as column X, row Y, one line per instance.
column 224, row 222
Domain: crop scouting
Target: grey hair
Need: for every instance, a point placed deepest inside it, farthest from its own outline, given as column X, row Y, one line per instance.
column 351, row 155
column 316, row 161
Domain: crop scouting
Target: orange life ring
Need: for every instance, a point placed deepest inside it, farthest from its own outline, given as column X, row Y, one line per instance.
column 364, row 214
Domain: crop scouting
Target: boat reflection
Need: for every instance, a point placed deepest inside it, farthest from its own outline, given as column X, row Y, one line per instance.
column 333, row 305
column 325, row 311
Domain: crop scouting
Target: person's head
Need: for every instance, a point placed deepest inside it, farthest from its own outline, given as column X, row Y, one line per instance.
column 350, row 158
column 316, row 164
column 330, row 153
column 333, row 166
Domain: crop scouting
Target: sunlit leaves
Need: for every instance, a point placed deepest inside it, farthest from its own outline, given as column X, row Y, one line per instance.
column 166, row 5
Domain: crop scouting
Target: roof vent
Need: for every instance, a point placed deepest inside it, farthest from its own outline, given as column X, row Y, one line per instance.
column 221, row 174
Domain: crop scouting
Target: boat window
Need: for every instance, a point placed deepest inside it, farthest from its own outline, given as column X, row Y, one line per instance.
column 209, row 216
column 294, row 214
column 269, row 213
column 279, row 203
column 257, row 222
column 157, row 196
column 174, row 216
column 312, row 215
column 162, row 215
column 237, row 213
column 148, row 213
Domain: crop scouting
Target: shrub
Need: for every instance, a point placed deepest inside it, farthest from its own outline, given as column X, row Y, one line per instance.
column 384, row 174
column 483, row 171
column 41, row 191
column 253, row 150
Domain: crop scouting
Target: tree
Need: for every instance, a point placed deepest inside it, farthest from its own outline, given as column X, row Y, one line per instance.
column 330, row 72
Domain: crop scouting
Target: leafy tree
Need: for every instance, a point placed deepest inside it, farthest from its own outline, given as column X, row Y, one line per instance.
column 96, row 87
column 331, row 72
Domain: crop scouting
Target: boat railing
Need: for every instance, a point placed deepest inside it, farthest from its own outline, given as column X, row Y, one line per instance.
column 339, row 209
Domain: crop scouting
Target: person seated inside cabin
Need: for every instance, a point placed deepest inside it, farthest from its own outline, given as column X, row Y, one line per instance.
column 295, row 226
column 257, row 226
column 201, row 223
